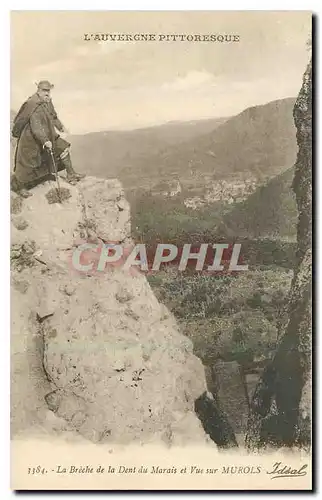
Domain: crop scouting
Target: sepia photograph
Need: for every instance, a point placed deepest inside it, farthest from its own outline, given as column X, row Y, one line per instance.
column 161, row 250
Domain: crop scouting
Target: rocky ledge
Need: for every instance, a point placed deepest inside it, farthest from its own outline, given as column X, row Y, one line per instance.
column 93, row 354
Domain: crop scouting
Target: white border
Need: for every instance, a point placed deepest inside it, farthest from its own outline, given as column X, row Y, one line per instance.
column 5, row 148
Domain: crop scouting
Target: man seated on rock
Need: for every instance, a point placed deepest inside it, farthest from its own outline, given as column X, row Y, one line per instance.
column 40, row 150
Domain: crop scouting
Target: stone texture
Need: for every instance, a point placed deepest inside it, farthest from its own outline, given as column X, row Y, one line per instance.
column 15, row 203
column 215, row 421
column 110, row 219
column 231, row 393
column 281, row 403
column 96, row 350
column 19, row 222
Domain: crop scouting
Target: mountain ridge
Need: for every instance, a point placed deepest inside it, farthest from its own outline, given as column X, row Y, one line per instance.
column 260, row 141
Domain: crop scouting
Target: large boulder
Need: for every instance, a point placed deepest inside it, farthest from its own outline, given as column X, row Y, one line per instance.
column 95, row 349
column 281, row 406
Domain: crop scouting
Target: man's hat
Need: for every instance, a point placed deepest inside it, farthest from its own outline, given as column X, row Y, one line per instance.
column 45, row 85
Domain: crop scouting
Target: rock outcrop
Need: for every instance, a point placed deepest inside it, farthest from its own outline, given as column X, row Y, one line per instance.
column 232, row 393
column 281, row 405
column 96, row 349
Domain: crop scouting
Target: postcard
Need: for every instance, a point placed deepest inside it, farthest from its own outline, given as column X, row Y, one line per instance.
column 161, row 250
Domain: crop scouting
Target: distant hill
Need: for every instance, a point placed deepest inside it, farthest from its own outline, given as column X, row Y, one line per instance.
column 270, row 212
column 106, row 153
column 260, row 142
column 111, row 153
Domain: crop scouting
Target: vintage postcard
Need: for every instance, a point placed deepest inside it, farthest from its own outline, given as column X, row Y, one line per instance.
column 161, row 250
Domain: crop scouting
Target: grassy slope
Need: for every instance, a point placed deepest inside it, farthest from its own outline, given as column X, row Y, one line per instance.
column 269, row 212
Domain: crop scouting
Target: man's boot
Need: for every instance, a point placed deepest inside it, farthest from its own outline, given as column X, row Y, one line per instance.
column 19, row 188
column 72, row 176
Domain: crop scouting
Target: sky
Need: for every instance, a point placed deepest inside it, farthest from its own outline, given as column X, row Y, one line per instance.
column 103, row 85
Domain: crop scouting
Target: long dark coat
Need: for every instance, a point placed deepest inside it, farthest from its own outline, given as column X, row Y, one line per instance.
column 32, row 160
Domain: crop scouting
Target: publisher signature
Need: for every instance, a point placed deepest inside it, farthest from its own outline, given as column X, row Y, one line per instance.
column 284, row 470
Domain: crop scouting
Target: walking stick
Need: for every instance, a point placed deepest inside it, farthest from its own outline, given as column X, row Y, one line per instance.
column 56, row 175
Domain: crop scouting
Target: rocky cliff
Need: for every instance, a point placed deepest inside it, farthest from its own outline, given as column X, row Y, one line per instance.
column 281, row 406
column 93, row 355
